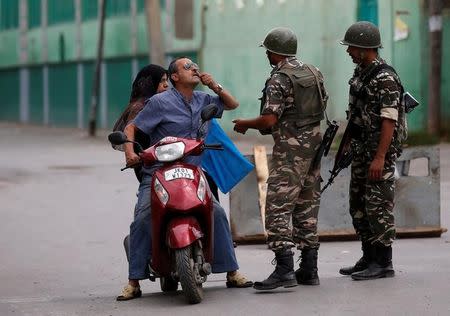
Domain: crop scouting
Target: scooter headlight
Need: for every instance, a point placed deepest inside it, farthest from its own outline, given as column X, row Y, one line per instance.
column 170, row 152
column 201, row 191
column 161, row 193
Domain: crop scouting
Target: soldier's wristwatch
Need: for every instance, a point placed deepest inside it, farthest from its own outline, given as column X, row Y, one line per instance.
column 219, row 88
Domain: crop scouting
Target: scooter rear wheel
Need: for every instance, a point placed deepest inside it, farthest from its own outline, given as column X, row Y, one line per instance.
column 192, row 288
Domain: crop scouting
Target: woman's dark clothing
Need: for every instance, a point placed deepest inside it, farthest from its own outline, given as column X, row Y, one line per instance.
column 144, row 86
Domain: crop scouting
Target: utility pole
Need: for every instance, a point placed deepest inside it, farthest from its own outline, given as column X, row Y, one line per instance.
column 98, row 64
column 155, row 39
column 435, row 74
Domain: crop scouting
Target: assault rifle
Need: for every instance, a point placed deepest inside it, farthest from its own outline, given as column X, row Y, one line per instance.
column 344, row 154
column 340, row 164
column 343, row 158
column 327, row 140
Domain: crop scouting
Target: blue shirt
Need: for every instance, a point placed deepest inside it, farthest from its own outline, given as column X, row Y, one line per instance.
column 169, row 114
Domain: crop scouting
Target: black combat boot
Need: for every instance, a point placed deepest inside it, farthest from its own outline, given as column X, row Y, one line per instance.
column 381, row 267
column 363, row 262
column 307, row 274
column 283, row 276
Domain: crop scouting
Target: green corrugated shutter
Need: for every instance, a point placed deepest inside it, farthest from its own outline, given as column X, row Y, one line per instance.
column 63, row 95
column 368, row 11
column 36, row 95
column 142, row 62
column 117, row 7
column 113, row 8
column 88, row 70
column 60, row 11
column 34, row 13
column 445, row 82
column 89, row 10
column 141, row 5
column 119, row 80
column 9, row 14
column 9, row 91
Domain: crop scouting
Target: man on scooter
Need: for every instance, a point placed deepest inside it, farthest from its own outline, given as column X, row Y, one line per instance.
column 176, row 112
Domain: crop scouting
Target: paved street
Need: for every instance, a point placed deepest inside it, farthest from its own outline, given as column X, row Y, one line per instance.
column 65, row 208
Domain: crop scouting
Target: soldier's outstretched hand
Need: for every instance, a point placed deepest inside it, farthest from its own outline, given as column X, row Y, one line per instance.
column 239, row 126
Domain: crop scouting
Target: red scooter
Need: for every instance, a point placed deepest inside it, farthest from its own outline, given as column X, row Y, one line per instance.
column 182, row 213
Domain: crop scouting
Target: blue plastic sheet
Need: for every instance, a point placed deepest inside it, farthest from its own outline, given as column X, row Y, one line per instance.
column 228, row 166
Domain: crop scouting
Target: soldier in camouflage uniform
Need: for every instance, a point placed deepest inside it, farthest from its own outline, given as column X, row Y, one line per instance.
column 377, row 129
column 292, row 107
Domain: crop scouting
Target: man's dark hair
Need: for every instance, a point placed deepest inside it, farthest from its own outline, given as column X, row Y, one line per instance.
column 173, row 68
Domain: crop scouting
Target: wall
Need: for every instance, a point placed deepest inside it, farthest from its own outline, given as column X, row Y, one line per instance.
column 46, row 58
column 409, row 55
column 445, row 83
column 233, row 33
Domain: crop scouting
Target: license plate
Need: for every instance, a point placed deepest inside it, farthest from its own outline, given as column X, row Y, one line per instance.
column 179, row 173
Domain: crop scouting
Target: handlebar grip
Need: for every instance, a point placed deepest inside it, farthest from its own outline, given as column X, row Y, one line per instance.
column 130, row 166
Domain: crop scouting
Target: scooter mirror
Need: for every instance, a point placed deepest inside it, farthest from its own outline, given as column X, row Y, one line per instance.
column 209, row 112
column 117, row 138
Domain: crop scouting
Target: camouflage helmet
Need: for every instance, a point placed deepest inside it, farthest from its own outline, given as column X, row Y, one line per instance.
column 281, row 41
column 362, row 34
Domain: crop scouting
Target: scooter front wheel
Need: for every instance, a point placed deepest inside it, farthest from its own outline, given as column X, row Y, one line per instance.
column 190, row 279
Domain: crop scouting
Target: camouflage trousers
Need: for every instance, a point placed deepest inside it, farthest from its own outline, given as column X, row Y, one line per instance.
column 293, row 194
column 372, row 202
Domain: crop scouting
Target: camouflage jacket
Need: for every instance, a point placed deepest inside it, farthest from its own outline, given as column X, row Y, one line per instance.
column 279, row 99
column 372, row 102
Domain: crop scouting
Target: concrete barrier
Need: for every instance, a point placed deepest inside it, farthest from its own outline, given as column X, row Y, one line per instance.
column 417, row 200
